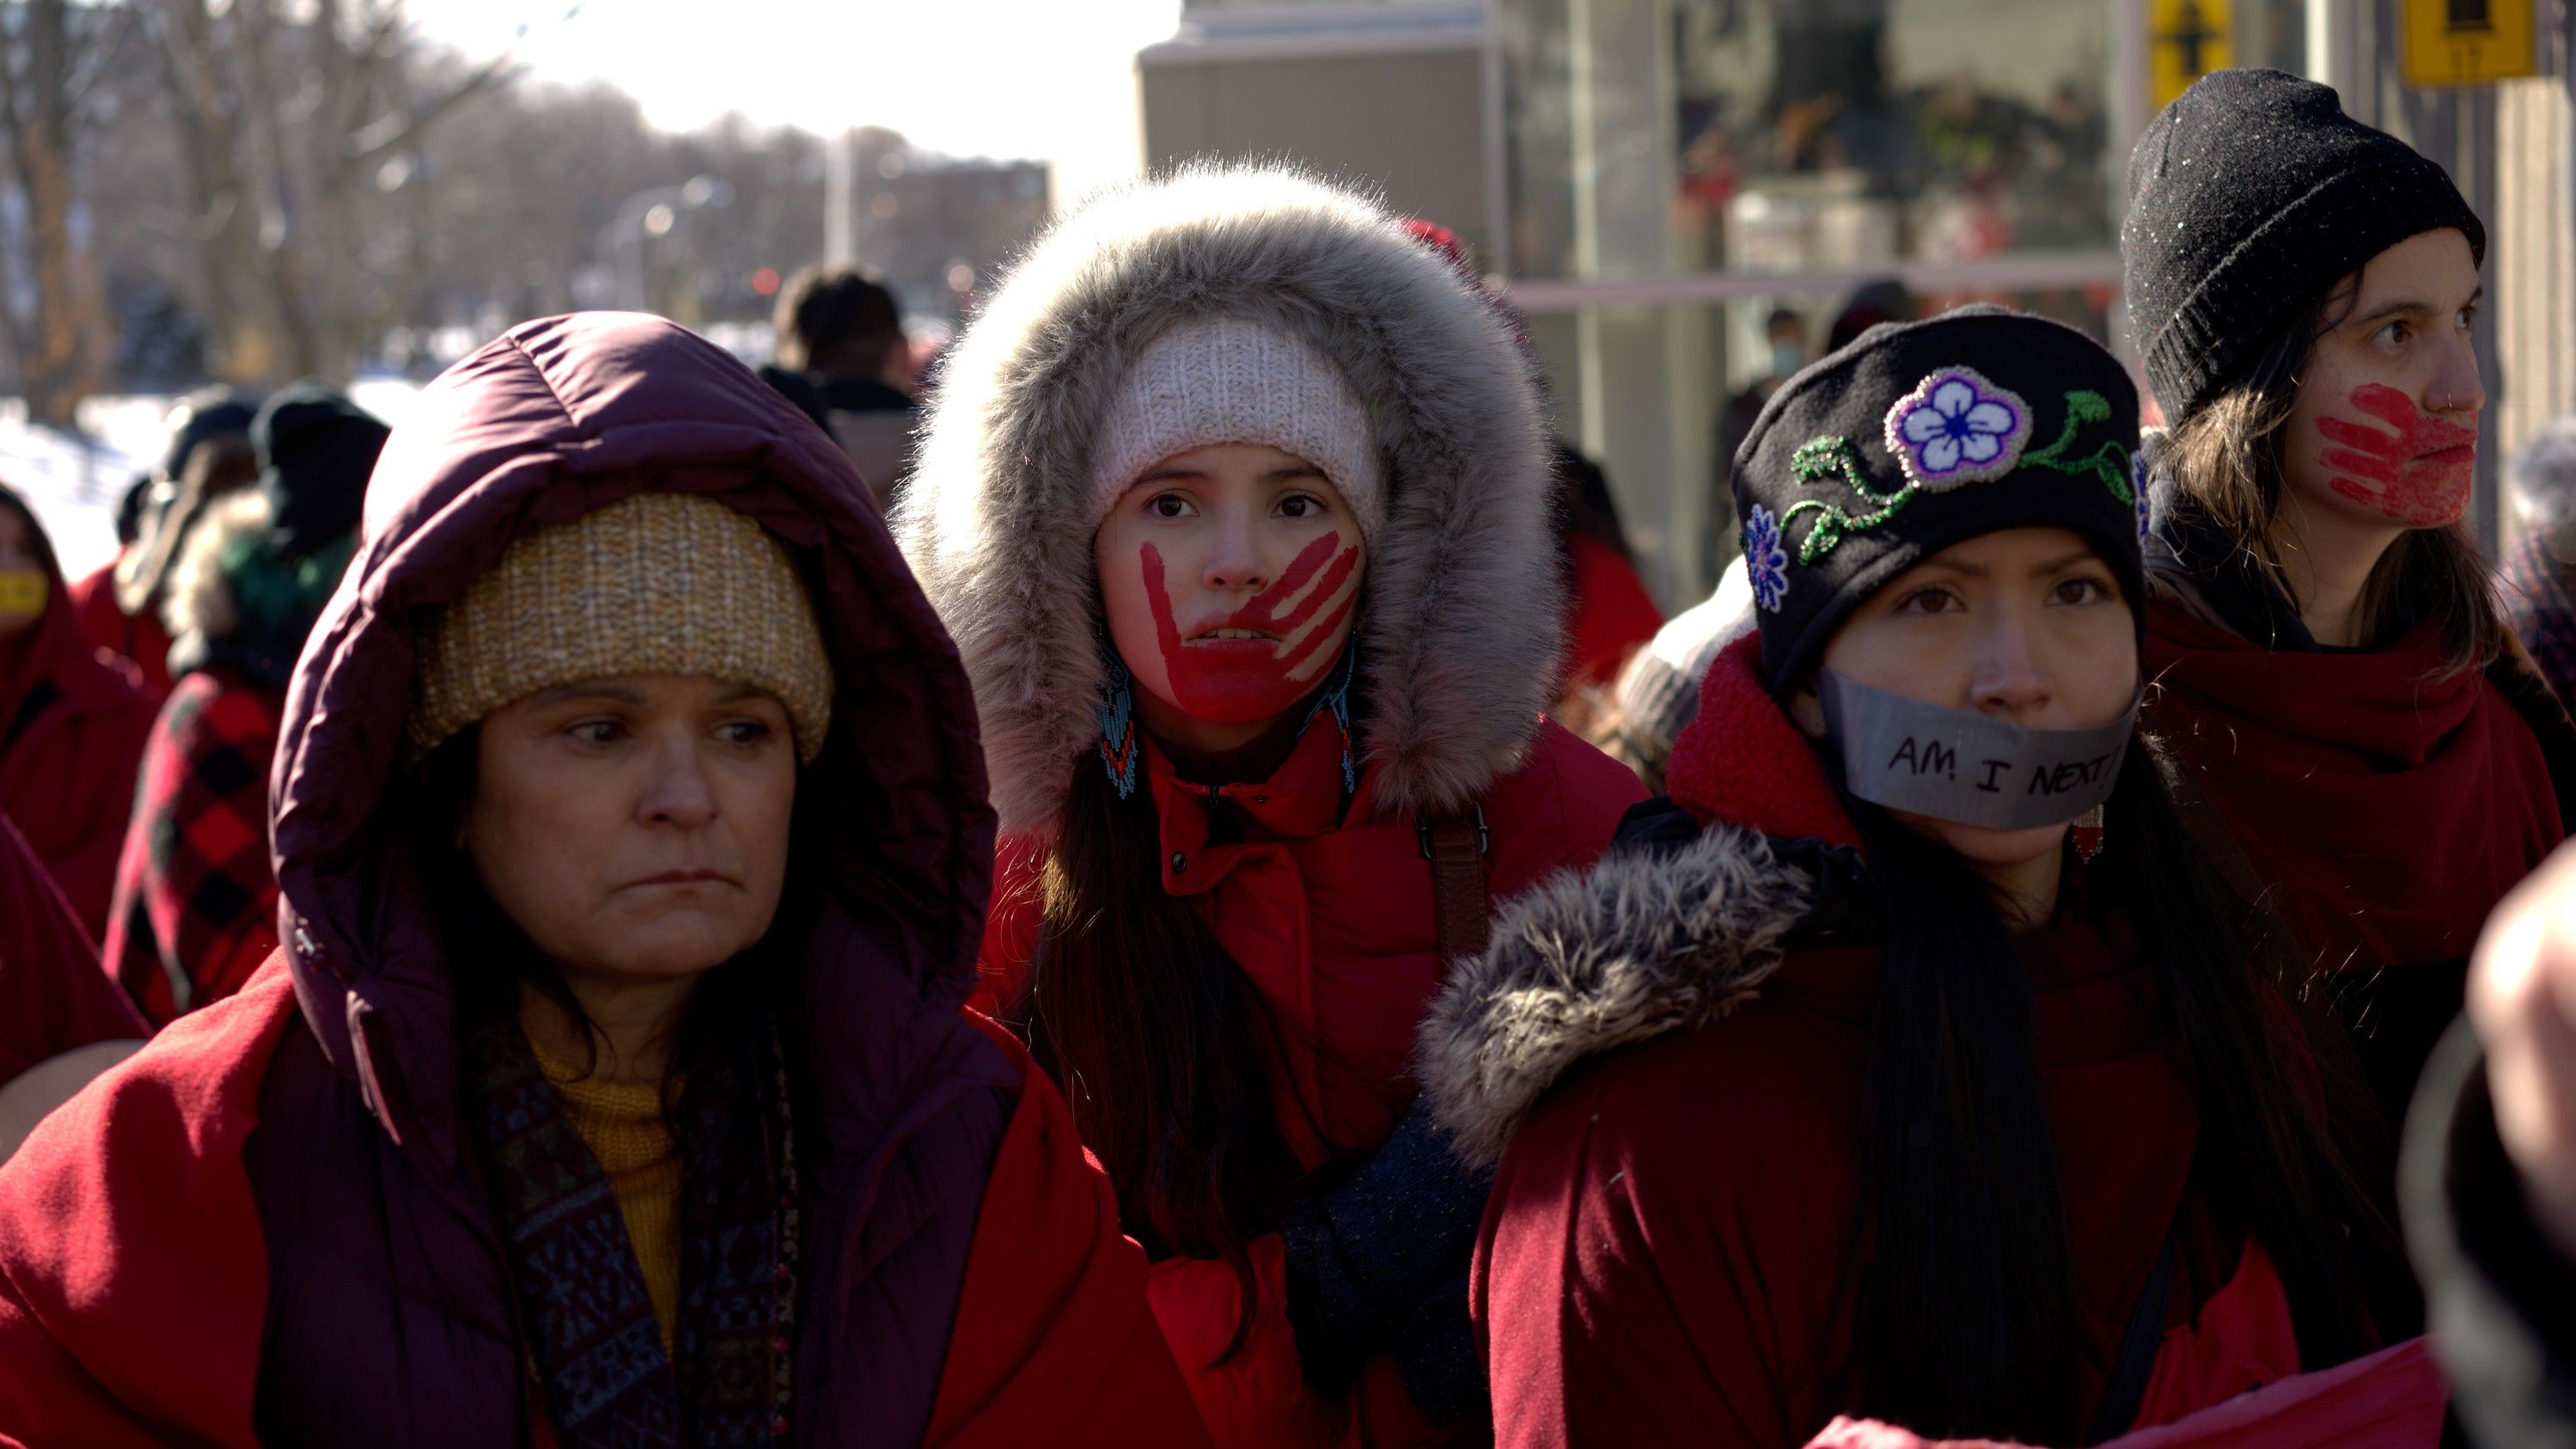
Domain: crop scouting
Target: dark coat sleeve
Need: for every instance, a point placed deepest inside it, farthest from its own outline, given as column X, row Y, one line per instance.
column 2502, row 1304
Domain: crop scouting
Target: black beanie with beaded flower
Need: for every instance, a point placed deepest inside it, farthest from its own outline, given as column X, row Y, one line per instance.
column 2249, row 197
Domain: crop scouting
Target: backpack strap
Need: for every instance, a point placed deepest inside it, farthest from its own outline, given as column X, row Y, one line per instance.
column 1456, row 843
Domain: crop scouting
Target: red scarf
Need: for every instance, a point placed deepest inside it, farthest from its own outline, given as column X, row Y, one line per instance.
column 2386, row 806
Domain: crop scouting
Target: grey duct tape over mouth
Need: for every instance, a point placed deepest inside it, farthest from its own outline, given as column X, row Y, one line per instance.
column 1967, row 768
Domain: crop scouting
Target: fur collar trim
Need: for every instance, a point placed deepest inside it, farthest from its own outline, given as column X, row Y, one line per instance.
column 199, row 605
column 1646, row 943
column 1462, row 616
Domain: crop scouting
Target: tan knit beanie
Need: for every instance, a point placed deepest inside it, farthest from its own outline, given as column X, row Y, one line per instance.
column 1233, row 380
column 660, row 583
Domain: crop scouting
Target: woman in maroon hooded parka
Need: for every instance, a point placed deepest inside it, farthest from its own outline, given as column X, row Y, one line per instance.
column 349, row 1204
column 72, row 723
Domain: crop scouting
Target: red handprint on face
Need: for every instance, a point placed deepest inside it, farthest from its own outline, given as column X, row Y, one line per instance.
column 1278, row 654
column 2418, row 475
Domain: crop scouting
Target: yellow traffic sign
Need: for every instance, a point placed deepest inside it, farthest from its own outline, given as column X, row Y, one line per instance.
column 2187, row 39
column 2467, row 42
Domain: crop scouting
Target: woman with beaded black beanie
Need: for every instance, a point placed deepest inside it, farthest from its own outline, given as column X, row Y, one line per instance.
column 2329, row 656
column 1908, row 1062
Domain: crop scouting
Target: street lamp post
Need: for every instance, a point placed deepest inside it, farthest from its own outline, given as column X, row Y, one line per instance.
column 653, row 211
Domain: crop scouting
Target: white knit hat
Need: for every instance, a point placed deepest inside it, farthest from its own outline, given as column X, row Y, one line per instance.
column 1232, row 380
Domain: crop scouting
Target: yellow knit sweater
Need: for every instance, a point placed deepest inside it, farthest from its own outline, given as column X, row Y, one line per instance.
column 621, row 1123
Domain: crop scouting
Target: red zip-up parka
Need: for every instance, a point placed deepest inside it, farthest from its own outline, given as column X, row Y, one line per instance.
column 1675, row 1099
column 1314, row 882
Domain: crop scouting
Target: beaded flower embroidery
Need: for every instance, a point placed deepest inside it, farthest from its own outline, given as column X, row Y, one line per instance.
column 1766, row 563
column 1956, row 427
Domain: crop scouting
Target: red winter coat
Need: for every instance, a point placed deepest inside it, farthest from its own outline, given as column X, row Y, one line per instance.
column 53, row 998
column 72, row 724
column 145, row 1326
column 1662, row 1254
column 268, row 1223
column 1331, row 913
column 1609, row 614
column 138, row 639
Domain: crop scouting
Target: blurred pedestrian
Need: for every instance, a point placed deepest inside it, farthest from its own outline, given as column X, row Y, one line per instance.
column 209, row 455
column 2327, row 650
column 844, row 359
column 62, row 1021
column 1657, row 695
column 1910, row 1062
column 72, row 723
column 1237, row 500
column 613, row 1087
column 195, row 911
column 2491, row 1173
column 2538, row 580
column 1609, row 614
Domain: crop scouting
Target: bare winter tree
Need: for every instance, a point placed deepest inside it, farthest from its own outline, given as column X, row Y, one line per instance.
column 289, row 117
column 52, row 57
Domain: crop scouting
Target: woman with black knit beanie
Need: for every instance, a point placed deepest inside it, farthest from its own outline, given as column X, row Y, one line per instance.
column 1910, row 1062
column 2325, row 638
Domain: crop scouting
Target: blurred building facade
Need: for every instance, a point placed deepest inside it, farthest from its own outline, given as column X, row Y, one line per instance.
column 1682, row 194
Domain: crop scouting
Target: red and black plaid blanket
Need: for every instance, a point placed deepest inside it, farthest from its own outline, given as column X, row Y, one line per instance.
column 196, row 906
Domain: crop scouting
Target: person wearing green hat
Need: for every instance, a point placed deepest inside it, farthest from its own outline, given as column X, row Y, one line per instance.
column 195, row 908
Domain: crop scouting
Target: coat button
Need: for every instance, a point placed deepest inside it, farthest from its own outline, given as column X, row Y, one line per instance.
column 1180, row 862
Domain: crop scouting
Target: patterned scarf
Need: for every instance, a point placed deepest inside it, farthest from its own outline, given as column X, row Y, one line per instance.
column 592, row 1338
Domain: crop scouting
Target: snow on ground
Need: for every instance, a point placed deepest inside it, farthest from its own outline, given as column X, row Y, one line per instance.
column 74, row 482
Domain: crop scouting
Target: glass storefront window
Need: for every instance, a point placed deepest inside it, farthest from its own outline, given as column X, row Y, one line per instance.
column 1660, row 396
column 1805, row 135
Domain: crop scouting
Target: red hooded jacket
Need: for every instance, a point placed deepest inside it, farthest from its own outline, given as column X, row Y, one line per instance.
column 1332, row 915
column 138, row 639
column 72, row 725
column 1664, row 1257
column 267, row 1225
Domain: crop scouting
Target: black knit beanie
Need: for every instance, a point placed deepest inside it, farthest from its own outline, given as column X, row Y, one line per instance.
column 316, row 451
column 2249, row 197
column 1920, row 435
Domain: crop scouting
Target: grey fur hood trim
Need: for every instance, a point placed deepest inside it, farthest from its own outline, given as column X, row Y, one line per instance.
column 1461, row 615
column 1644, row 944
column 197, row 604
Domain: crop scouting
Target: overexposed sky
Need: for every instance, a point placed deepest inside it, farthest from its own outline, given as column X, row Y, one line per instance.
column 1049, row 79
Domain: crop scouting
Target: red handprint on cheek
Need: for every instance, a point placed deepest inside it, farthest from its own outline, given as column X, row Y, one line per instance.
column 2421, row 472
column 1246, row 680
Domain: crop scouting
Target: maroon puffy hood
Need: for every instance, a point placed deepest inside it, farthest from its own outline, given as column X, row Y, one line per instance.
column 902, row 1098
column 551, row 421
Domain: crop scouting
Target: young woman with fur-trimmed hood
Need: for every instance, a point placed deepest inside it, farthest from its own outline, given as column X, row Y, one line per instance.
column 1235, row 498
column 1909, row 1065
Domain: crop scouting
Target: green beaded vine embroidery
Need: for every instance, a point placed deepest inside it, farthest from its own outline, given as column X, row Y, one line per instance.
column 2109, row 463
column 1819, row 459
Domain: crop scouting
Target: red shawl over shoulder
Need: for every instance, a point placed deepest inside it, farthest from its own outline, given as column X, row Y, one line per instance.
column 2386, row 809
column 134, row 1281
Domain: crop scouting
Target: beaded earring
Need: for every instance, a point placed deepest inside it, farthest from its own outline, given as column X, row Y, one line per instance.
column 1117, row 715
column 1336, row 700
column 2088, row 835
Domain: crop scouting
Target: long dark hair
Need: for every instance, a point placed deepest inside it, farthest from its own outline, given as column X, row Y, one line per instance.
column 1966, row 1302
column 2227, row 458
column 1164, row 1045
column 491, row 961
